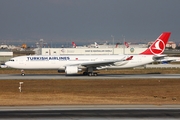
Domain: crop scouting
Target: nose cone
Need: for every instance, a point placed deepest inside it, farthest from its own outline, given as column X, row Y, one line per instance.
column 7, row 64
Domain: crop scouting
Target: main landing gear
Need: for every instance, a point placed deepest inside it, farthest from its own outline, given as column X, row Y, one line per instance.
column 90, row 73
column 22, row 73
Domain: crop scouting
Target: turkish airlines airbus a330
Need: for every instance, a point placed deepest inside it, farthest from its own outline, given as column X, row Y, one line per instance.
column 88, row 64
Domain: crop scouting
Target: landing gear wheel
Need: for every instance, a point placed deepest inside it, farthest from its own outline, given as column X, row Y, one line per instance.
column 92, row 74
column 22, row 74
column 95, row 74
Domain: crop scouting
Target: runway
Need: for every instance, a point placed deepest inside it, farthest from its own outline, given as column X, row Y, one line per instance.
column 79, row 76
column 91, row 112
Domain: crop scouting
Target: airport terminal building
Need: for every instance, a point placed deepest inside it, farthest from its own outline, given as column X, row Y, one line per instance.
column 5, row 56
column 89, row 51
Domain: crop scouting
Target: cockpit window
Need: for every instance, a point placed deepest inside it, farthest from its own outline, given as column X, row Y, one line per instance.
column 11, row 60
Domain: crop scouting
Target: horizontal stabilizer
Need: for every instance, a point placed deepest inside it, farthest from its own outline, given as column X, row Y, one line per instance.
column 158, row 57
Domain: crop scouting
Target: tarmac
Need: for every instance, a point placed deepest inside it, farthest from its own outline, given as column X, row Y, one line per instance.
column 79, row 76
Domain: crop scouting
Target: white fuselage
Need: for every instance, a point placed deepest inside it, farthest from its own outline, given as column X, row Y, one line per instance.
column 60, row 62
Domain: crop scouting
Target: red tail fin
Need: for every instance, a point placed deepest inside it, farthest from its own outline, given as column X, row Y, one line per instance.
column 159, row 45
column 74, row 44
column 126, row 44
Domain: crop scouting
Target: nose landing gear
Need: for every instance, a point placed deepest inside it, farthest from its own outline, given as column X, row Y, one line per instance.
column 22, row 73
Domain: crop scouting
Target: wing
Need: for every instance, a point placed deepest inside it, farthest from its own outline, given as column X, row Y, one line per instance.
column 101, row 63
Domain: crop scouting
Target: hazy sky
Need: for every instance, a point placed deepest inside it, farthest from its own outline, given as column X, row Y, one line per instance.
column 88, row 21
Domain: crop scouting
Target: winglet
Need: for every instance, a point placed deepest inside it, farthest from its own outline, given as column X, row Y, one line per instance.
column 159, row 45
column 129, row 58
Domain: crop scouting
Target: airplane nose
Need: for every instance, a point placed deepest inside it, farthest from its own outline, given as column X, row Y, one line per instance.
column 7, row 63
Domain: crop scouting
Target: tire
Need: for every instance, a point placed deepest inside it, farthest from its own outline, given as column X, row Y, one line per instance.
column 90, row 74
column 95, row 74
column 22, row 74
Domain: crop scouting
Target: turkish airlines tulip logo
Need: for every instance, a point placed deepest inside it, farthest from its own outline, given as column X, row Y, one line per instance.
column 158, row 47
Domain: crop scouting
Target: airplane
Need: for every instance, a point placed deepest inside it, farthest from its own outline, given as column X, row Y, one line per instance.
column 96, row 45
column 89, row 64
column 74, row 44
column 126, row 44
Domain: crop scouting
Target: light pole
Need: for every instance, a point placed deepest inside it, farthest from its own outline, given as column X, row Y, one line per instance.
column 20, row 85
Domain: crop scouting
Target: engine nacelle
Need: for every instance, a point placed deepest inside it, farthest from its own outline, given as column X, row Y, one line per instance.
column 71, row 69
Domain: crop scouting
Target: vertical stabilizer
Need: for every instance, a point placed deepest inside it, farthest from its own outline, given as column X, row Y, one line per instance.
column 74, row 44
column 159, row 45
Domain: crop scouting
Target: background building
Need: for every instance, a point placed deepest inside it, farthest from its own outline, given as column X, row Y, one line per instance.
column 90, row 51
column 5, row 56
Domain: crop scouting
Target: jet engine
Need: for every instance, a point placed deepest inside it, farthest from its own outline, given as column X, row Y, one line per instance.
column 71, row 70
